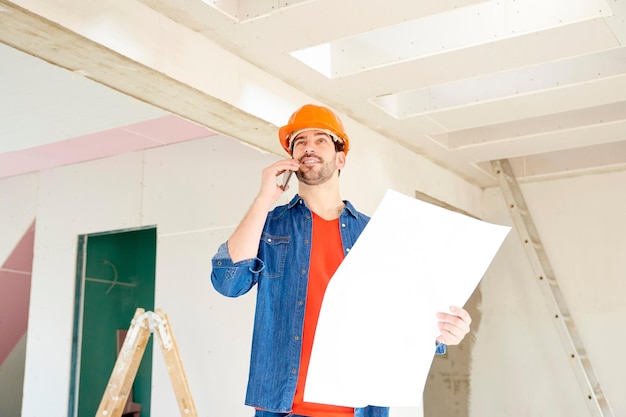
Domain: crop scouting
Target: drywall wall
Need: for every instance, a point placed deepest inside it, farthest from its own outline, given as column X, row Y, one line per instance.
column 195, row 193
column 12, row 381
column 18, row 208
column 519, row 367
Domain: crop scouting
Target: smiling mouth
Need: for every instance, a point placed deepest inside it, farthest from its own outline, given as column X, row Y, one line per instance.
column 309, row 161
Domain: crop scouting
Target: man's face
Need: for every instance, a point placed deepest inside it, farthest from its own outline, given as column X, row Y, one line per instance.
column 315, row 150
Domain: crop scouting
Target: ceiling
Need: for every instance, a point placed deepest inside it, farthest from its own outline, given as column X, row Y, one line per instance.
column 542, row 84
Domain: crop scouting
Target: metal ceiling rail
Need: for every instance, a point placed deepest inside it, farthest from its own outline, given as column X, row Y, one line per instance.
column 578, row 358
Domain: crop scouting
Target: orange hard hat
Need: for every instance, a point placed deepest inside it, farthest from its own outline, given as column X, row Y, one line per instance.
column 311, row 116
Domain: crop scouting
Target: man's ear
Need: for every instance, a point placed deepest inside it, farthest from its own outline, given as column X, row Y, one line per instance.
column 341, row 160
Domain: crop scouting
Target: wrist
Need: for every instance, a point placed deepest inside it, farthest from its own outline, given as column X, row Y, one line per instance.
column 264, row 202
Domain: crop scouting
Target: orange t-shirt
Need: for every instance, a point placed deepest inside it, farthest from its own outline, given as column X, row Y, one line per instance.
column 326, row 255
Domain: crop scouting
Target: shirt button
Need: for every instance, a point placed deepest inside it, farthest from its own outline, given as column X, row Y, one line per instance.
column 296, row 337
column 306, row 240
column 343, row 225
column 348, row 250
column 269, row 240
column 293, row 371
column 300, row 303
column 303, row 271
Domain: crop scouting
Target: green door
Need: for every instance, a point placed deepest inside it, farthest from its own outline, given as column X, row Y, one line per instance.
column 116, row 278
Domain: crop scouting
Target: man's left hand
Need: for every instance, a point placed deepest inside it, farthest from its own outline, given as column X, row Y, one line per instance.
column 453, row 326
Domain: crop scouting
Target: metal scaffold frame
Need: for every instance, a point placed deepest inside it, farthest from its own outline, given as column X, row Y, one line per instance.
column 572, row 342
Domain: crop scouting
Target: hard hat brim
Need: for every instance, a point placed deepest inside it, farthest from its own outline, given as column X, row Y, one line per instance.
column 286, row 132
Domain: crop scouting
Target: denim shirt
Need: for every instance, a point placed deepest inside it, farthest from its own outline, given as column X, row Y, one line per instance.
column 281, row 271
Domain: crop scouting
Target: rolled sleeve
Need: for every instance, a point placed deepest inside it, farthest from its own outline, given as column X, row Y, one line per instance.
column 234, row 279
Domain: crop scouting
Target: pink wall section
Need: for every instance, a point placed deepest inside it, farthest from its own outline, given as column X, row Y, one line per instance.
column 15, row 278
column 15, row 273
column 143, row 135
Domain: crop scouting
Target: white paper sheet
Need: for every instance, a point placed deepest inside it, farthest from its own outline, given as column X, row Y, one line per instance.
column 375, row 337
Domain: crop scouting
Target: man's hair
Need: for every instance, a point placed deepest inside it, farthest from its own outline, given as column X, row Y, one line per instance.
column 340, row 146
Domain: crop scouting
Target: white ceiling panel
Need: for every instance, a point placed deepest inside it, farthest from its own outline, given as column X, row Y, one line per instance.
column 563, row 42
column 521, row 129
column 571, row 162
column 508, row 84
column 555, row 100
column 458, row 28
column 547, row 142
column 461, row 82
column 247, row 10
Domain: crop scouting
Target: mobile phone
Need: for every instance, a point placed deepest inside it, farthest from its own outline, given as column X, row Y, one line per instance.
column 286, row 177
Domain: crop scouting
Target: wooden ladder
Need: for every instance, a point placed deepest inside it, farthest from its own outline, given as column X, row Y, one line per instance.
column 125, row 369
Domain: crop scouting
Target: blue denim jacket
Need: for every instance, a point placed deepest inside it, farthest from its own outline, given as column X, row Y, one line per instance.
column 280, row 272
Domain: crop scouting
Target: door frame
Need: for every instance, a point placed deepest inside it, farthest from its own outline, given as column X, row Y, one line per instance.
column 79, row 299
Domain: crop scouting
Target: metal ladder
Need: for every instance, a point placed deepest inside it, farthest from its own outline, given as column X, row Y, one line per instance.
column 578, row 358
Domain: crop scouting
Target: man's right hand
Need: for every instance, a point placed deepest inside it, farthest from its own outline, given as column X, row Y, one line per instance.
column 271, row 190
column 244, row 242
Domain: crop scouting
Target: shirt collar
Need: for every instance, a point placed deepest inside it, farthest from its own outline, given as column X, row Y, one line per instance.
column 349, row 207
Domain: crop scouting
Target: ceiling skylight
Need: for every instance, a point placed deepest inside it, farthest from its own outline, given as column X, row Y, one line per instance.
column 444, row 32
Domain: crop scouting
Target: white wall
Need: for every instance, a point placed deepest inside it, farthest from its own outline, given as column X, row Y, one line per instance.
column 195, row 193
column 519, row 365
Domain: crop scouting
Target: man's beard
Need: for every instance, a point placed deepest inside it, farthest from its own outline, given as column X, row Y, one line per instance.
column 325, row 171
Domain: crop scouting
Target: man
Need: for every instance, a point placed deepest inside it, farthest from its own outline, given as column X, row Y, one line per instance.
column 290, row 253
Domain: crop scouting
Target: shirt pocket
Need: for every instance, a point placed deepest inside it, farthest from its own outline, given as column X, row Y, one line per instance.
column 273, row 253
